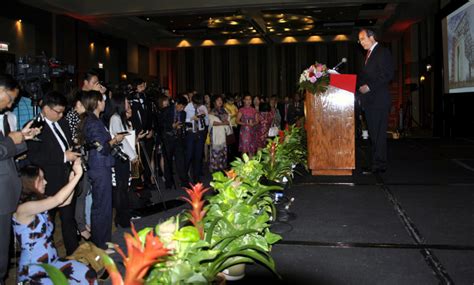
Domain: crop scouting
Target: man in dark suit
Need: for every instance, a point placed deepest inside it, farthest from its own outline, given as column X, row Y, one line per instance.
column 173, row 129
column 11, row 144
column 52, row 153
column 373, row 88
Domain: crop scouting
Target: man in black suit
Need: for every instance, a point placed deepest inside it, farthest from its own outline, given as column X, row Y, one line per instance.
column 373, row 88
column 53, row 154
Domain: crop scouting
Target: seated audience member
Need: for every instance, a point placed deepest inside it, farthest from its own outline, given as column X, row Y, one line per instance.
column 34, row 229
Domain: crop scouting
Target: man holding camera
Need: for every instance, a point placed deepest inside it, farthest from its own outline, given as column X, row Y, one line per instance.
column 52, row 152
column 12, row 143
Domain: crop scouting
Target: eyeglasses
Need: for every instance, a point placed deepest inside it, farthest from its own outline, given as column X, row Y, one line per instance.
column 56, row 111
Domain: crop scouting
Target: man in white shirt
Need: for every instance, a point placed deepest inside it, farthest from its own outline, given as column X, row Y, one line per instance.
column 197, row 121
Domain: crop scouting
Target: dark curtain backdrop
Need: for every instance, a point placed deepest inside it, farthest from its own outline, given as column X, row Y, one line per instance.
column 260, row 70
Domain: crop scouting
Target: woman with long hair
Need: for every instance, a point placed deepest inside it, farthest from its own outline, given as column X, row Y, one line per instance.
column 219, row 126
column 34, row 229
column 94, row 133
column 119, row 123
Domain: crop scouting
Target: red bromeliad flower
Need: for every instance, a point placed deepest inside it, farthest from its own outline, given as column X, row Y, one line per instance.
column 140, row 257
column 273, row 148
column 197, row 213
column 281, row 135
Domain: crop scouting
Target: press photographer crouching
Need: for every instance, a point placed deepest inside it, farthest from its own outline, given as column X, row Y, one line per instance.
column 100, row 163
column 125, row 155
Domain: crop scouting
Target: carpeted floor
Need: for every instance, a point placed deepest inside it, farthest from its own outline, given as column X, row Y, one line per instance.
column 410, row 225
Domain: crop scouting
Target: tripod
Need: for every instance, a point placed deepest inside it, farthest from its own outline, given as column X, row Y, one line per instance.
column 153, row 174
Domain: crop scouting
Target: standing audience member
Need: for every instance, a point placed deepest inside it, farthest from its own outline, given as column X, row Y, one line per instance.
column 247, row 119
column 142, row 122
column 119, row 123
column 34, row 229
column 232, row 110
column 172, row 123
column 83, row 187
column 92, row 131
column 197, row 121
column 219, row 126
column 53, row 153
column 295, row 110
column 265, row 117
column 276, row 113
column 11, row 145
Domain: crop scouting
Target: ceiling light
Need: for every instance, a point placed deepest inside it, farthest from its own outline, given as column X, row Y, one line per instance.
column 272, row 30
column 147, row 18
column 233, row 23
column 289, row 40
column 282, row 20
column 217, row 21
column 287, row 29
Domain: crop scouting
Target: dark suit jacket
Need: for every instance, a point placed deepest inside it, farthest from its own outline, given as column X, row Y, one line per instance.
column 95, row 131
column 166, row 119
column 377, row 74
column 142, row 117
column 10, row 184
column 49, row 155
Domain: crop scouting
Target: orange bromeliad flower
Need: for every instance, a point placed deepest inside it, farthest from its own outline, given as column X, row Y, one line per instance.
column 231, row 174
column 197, row 213
column 140, row 257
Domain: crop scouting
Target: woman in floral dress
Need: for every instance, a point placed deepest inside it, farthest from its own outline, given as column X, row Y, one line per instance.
column 247, row 119
column 34, row 229
column 265, row 117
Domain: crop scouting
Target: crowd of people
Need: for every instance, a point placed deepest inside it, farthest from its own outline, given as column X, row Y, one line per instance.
column 83, row 154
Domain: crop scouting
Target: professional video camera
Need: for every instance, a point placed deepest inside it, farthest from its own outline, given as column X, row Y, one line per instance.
column 33, row 72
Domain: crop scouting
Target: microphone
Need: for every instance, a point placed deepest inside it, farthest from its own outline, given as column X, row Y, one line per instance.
column 343, row 60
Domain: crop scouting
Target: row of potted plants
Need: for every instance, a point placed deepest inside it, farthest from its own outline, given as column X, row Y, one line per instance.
column 228, row 228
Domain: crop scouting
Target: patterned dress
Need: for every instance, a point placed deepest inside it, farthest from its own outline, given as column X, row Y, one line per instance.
column 36, row 241
column 218, row 157
column 247, row 141
column 265, row 121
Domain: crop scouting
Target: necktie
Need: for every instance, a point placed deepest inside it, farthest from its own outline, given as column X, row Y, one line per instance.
column 61, row 137
column 367, row 55
column 6, row 125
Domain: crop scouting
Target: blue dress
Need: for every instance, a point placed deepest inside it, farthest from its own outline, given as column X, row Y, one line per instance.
column 36, row 241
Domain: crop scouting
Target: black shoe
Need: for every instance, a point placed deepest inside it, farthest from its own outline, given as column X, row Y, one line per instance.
column 367, row 171
column 380, row 170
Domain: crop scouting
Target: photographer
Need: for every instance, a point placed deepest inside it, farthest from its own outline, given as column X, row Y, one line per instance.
column 119, row 124
column 92, row 130
column 173, row 132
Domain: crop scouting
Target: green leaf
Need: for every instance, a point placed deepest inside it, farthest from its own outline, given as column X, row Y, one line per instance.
column 54, row 274
column 187, row 234
column 271, row 237
column 142, row 234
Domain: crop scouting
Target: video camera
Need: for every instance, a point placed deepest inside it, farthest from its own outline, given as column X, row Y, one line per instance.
column 33, row 72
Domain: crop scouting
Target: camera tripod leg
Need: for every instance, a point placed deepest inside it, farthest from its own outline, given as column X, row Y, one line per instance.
column 153, row 174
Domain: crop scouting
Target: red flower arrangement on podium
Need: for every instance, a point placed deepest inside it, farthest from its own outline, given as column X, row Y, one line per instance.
column 315, row 79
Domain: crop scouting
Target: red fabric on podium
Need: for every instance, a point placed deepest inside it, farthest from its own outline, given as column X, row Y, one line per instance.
column 343, row 81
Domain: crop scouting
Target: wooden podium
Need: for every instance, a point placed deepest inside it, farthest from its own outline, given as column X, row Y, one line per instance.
column 330, row 127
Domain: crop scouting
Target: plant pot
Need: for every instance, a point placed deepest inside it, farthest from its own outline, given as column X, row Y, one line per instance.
column 235, row 272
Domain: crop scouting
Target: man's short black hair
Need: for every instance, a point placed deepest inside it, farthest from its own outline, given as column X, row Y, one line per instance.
column 8, row 82
column 181, row 100
column 54, row 98
column 89, row 74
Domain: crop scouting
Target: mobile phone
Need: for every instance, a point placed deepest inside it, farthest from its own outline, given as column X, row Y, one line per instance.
column 123, row 133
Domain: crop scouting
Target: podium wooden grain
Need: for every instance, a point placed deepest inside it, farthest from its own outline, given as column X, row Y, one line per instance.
column 330, row 127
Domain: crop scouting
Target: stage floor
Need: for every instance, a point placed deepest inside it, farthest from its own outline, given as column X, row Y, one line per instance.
column 410, row 225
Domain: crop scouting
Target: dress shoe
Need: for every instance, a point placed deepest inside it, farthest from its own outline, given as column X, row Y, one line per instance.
column 367, row 171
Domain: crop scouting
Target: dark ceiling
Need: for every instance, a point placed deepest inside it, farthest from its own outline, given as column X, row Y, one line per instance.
column 153, row 22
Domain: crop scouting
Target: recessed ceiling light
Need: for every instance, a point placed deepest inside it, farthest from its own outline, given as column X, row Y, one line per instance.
column 147, row 18
column 287, row 29
column 171, row 21
column 282, row 21
column 233, row 23
column 272, row 30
